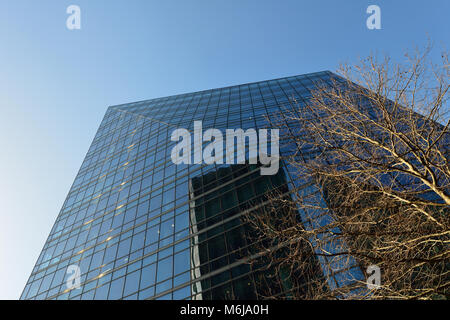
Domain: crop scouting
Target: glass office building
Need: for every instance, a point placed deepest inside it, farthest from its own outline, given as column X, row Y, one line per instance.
column 137, row 226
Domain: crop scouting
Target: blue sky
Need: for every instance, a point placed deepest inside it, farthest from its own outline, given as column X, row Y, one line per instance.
column 55, row 84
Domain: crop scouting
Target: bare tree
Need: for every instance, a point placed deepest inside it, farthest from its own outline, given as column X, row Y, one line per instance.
column 372, row 149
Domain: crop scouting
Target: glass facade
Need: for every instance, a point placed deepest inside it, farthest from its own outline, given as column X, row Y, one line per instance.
column 140, row 227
